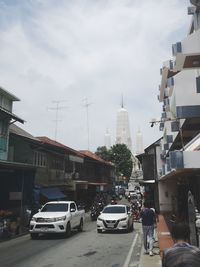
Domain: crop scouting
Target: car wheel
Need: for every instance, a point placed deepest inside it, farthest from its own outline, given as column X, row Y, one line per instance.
column 68, row 230
column 80, row 228
column 99, row 231
column 128, row 228
column 131, row 228
column 34, row 236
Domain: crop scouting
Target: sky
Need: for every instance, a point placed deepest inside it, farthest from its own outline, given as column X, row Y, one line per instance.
column 62, row 53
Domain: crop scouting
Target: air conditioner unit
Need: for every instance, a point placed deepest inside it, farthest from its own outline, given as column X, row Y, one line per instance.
column 191, row 10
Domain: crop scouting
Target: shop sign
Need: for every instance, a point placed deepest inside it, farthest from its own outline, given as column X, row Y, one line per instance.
column 15, row 195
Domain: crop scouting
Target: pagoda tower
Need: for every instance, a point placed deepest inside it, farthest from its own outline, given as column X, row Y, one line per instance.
column 123, row 129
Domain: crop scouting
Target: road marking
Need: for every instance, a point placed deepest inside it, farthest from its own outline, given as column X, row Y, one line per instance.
column 128, row 258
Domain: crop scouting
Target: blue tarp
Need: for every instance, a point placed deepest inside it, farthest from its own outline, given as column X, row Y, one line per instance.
column 52, row 193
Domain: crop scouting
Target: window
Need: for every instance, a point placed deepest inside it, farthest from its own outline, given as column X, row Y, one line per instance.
column 198, row 84
column 40, row 159
column 3, row 128
column 72, row 206
column 55, row 207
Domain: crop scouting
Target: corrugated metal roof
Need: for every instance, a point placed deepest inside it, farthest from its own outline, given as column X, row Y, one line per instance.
column 95, row 157
column 49, row 141
column 14, row 129
column 11, row 115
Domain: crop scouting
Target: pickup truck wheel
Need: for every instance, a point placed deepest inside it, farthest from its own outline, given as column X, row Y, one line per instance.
column 99, row 231
column 80, row 228
column 68, row 230
column 34, row 236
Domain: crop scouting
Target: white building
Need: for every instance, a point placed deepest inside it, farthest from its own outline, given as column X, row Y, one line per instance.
column 179, row 92
column 123, row 135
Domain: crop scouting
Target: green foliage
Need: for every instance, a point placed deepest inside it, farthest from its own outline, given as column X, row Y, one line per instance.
column 120, row 155
column 103, row 153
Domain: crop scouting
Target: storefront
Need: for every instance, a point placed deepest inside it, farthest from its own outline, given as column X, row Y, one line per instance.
column 16, row 195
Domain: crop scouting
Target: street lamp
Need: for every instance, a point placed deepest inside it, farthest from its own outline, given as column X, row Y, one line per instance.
column 154, row 121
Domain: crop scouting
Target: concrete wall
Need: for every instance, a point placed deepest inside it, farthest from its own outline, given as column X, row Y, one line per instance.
column 185, row 88
column 191, row 159
column 167, row 194
column 191, row 43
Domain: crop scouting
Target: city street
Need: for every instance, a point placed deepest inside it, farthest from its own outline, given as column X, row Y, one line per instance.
column 81, row 249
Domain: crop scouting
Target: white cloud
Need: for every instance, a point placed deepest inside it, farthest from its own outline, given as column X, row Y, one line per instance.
column 68, row 50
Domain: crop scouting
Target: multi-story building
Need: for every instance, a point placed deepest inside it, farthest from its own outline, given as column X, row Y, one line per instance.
column 179, row 92
column 6, row 118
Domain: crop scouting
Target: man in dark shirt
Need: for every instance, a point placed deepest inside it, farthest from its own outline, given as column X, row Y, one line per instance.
column 182, row 254
column 148, row 218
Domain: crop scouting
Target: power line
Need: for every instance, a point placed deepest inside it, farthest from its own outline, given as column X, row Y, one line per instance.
column 57, row 108
column 86, row 105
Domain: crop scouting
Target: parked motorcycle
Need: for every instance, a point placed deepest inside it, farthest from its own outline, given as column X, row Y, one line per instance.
column 135, row 208
column 4, row 232
column 95, row 212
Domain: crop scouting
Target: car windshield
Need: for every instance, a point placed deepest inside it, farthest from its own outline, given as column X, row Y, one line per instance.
column 55, row 207
column 114, row 209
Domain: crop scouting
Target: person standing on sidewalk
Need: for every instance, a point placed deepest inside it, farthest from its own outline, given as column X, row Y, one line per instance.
column 182, row 254
column 148, row 219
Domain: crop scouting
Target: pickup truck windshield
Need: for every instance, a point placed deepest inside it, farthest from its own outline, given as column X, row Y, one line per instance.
column 114, row 209
column 55, row 207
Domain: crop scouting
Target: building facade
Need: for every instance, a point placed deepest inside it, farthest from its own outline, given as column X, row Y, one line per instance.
column 179, row 91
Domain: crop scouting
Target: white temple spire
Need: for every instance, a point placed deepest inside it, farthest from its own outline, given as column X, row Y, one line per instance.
column 123, row 129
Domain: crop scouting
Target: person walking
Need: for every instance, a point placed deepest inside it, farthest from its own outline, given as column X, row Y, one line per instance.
column 182, row 254
column 148, row 219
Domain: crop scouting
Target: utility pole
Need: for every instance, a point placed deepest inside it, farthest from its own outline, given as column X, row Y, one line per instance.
column 57, row 108
column 86, row 105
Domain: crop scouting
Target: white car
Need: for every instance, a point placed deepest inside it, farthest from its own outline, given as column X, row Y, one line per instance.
column 57, row 217
column 115, row 217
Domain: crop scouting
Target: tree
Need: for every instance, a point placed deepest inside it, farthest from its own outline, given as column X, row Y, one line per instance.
column 103, row 153
column 121, row 157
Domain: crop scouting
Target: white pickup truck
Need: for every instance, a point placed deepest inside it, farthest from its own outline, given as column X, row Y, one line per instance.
column 57, row 217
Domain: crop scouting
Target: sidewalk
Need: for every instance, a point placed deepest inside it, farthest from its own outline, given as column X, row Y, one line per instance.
column 151, row 261
column 163, row 241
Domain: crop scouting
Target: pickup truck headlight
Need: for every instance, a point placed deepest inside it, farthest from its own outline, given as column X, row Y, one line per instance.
column 123, row 219
column 60, row 218
column 99, row 219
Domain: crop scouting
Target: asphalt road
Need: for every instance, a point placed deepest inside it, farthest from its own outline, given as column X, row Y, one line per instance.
column 81, row 249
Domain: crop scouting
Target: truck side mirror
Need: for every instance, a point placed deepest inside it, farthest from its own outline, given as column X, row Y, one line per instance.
column 72, row 210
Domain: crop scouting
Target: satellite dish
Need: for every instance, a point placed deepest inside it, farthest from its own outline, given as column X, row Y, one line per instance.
column 195, row 2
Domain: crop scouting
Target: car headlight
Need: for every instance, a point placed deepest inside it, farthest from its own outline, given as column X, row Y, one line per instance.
column 123, row 219
column 60, row 218
column 33, row 219
column 99, row 219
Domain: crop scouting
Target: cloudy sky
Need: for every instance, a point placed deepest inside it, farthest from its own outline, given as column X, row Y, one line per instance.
column 64, row 51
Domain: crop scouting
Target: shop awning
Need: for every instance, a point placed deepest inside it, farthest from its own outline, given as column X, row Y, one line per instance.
column 10, row 115
column 52, row 193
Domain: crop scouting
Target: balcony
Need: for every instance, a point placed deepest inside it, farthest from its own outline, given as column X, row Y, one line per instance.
column 187, row 53
column 184, row 159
